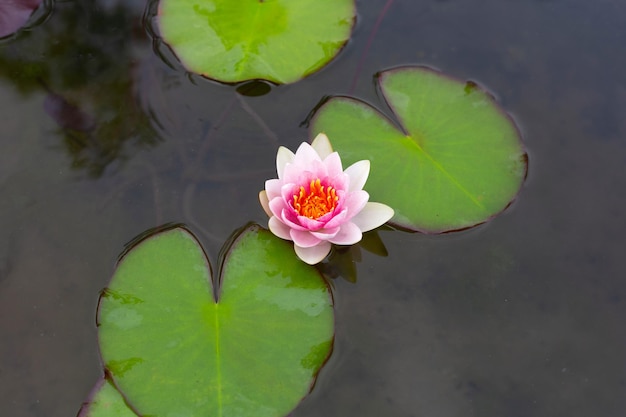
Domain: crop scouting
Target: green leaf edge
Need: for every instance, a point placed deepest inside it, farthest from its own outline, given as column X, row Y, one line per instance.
column 216, row 284
column 155, row 32
column 86, row 410
column 378, row 77
column 394, row 121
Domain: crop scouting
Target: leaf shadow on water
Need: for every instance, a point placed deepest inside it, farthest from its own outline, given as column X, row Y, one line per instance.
column 103, row 91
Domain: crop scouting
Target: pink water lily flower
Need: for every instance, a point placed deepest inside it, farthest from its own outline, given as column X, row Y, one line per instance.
column 314, row 202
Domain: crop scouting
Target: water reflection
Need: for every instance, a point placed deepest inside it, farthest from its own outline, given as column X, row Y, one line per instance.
column 82, row 58
column 342, row 261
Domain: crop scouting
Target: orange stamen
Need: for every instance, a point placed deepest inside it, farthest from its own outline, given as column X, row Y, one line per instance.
column 316, row 201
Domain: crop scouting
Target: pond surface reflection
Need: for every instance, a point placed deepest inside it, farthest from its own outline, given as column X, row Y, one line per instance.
column 519, row 317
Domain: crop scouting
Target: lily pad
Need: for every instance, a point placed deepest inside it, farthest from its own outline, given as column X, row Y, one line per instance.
column 105, row 401
column 173, row 350
column 455, row 161
column 235, row 40
column 15, row 13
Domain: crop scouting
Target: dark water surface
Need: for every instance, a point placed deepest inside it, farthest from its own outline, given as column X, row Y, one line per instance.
column 101, row 140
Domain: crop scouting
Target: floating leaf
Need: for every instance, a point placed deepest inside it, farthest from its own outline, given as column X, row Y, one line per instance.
column 235, row 40
column 458, row 161
column 105, row 401
column 174, row 351
column 14, row 14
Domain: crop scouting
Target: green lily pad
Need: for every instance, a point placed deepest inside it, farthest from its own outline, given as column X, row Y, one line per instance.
column 105, row 401
column 235, row 40
column 456, row 161
column 172, row 350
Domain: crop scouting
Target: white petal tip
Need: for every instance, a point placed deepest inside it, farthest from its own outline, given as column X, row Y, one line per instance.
column 372, row 216
column 278, row 228
column 283, row 157
column 358, row 173
column 322, row 145
column 265, row 202
column 313, row 255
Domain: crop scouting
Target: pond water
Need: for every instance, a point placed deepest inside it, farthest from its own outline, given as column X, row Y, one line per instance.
column 523, row 316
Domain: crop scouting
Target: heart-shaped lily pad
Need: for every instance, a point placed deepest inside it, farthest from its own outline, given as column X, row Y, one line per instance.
column 172, row 350
column 277, row 40
column 457, row 162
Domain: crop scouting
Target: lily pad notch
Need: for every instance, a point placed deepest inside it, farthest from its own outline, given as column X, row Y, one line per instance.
column 451, row 159
column 171, row 349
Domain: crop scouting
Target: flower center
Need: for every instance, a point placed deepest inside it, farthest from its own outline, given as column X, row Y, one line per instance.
column 315, row 202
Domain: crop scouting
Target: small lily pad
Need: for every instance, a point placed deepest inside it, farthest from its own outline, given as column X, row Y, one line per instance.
column 105, row 401
column 455, row 161
column 174, row 349
column 276, row 40
column 15, row 13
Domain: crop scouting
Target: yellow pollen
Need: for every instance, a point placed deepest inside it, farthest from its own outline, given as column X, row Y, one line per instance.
column 316, row 201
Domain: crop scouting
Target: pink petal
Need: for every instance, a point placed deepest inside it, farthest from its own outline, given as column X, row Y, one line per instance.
column 319, row 169
column 283, row 157
column 265, row 203
column 326, row 234
column 314, row 254
column 303, row 239
column 322, row 145
column 279, row 228
column 292, row 173
column 337, row 220
column 290, row 220
column 358, row 173
column 310, row 224
column 273, row 188
column 304, row 177
column 354, row 202
column 333, row 166
column 348, row 235
column 372, row 216
column 287, row 191
column 276, row 206
column 339, row 182
column 305, row 155
column 299, row 174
